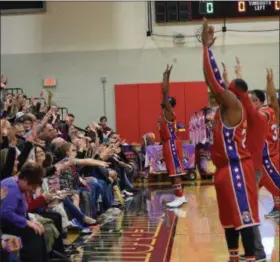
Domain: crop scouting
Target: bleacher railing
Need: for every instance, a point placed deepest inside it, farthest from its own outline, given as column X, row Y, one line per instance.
column 63, row 112
column 14, row 91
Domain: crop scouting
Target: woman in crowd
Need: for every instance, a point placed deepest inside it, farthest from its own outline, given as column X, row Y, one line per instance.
column 14, row 217
column 71, row 181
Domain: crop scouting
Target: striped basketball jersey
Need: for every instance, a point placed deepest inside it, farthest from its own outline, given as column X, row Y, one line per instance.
column 229, row 143
column 272, row 141
column 167, row 130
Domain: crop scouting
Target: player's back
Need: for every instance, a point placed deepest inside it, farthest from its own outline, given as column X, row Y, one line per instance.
column 272, row 140
column 167, row 130
column 229, row 143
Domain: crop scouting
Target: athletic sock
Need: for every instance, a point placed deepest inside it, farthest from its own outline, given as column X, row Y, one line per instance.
column 233, row 255
column 250, row 259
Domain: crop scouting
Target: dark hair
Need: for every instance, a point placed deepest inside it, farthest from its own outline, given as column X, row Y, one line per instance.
column 32, row 173
column 71, row 115
column 172, row 101
column 241, row 85
column 103, row 118
column 63, row 149
column 48, row 160
column 259, row 94
column 27, row 118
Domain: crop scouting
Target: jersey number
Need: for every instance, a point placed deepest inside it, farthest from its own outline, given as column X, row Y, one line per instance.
column 244, row 137
column 274, row 129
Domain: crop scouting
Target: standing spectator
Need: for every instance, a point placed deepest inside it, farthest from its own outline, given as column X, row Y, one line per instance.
column 105, row 128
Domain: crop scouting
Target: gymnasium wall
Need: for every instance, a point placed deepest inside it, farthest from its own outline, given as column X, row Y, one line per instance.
column 78, row 43
column 138, row 106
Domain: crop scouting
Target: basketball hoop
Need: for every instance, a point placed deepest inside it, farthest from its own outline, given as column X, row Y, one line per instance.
column 179, row 39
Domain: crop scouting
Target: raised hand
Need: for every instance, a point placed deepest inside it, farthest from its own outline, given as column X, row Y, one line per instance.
column 42, row 92
column 237, row 68
column 107, row 152
column 225, row 74
column 4, row 81
column 269, row 75
column 207, row 35
column 166, row 76
column 270, row 88
column 95, row 126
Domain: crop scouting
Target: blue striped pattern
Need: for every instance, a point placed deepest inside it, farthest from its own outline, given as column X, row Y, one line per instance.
column 269, row 167
column 173, row 149
column 237, row 175
column 215, row 70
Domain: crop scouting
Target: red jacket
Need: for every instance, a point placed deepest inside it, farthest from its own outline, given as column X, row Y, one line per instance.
column 34, row 204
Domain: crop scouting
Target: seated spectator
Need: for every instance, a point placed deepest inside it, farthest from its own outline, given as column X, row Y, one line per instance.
column 10, row 245
column 14, row 213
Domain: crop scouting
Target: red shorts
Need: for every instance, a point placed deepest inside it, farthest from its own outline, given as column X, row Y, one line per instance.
column 173, row 157
column 237, row 194
column 270, row 175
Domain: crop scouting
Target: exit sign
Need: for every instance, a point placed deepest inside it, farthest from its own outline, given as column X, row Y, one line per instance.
column 49, row 82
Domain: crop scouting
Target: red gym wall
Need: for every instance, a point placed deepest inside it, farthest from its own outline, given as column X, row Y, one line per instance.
column 138, row 106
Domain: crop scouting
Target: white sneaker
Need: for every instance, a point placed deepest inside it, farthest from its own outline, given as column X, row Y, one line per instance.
column 126, row 193
column 177, row 202
column 179, row 212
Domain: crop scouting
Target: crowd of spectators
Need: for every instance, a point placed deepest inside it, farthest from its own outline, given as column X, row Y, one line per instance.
column 55, row 177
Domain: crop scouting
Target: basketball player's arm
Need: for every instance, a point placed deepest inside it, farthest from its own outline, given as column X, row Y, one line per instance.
column 272, row 94
column 213, row 78
column 167, row 108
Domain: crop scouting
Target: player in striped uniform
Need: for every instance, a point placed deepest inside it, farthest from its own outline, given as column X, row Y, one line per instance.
column 172, row 146
column 270, row 171
column 256, row 136
column 235, row 180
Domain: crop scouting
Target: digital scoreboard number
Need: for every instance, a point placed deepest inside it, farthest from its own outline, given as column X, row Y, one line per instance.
column 196, row 10
column 239, row 9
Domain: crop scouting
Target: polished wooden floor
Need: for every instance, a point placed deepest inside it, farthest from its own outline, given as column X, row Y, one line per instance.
column 147, row 231
column 199, row 235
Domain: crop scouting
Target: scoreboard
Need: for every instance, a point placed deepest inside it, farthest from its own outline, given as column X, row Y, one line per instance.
column 175, row 11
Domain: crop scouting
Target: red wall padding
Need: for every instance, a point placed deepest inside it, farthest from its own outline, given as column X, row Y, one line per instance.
column 138, row 106
column 127, row 111
column 149, row 108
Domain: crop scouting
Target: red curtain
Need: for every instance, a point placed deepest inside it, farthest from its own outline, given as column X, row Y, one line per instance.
column 138, row 106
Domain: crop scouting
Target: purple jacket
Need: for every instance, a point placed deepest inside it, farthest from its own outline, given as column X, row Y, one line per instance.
column 14, row 205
